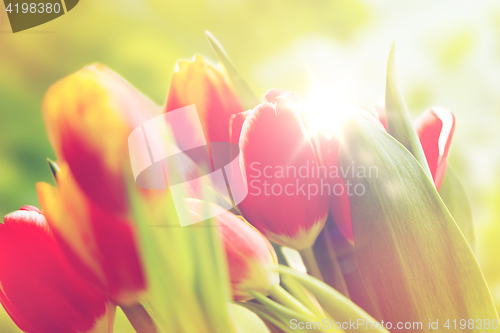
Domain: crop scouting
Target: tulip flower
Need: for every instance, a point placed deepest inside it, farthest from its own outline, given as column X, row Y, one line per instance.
column 284, row 200
column 271, row 95
column 89, row 116
column 252, row 261
column 210, row 90
column 40, row 290
column 435, row 129
column 101, row 245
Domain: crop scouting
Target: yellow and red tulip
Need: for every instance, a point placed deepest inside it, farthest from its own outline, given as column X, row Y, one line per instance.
column 210, row 90
column 274, row 137
column 89, row 116
column 40, row 290
column 101, row 245
column 251, row 259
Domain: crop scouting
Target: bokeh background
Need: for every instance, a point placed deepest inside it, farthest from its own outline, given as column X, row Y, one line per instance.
column 448, row 54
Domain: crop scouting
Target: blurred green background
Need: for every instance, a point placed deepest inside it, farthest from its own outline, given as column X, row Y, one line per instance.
column 448, row 54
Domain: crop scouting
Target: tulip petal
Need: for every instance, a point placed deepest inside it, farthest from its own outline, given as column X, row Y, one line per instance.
column 435, row 129
column 89, row 116
column 101, row 245
column 398, row 120
column 210, row 90
column 38, row 287
column 251, row 258
column 236, row 124
column 271, row 95
column 413, row 258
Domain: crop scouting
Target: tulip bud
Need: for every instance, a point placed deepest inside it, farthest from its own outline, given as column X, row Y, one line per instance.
column 435, row 129
column 285, row 200
column 101, row 245
column 39, row 289
column 89, row 116
column 210, row 90
column 251, row 259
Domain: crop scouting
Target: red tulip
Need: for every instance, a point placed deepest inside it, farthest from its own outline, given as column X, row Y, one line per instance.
column 101, row 245
column 252, row 261
column 435, row 129
column 39, row 289
column 327, row 148
column 284, row 203
column 210, row 90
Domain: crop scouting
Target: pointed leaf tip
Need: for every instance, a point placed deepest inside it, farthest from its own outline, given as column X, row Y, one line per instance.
column 248, row 98
column 215, row 43
column 54, row 168
column 399, row 123
column 406, row 241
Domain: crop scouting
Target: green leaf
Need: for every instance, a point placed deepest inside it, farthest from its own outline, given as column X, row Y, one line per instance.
column 453, row 194
column 414, row 260
column 340, row 308
column 248, row 98
column 399, row 123
column 247, row 321
column 300, row 294
column 54, row 168
column 279, row 253
column 188, row 288
column 345, row 256
column 272, row 322
column 285, row 314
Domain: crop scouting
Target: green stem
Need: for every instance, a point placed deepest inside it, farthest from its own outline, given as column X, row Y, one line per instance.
column 310, row 263
column 139, row 318
column 297, row 291
column 282, row 296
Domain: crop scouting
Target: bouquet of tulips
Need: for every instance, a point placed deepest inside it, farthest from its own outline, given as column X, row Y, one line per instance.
column 359, row 229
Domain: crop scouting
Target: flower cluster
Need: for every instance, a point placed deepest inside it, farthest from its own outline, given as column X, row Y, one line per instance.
column 65, row 267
